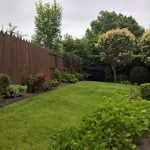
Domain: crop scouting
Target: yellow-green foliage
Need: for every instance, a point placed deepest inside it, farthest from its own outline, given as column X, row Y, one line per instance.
column 115, row 48
column 145, row 43
column 145, row 91
column 116, row 45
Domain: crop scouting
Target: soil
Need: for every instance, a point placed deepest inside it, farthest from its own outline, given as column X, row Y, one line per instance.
column 144, row 144
column 7, row 101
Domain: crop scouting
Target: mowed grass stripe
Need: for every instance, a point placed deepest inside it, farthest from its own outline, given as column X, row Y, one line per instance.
column 28, row 124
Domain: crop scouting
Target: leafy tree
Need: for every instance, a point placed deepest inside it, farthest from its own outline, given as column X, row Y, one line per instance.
column 80, row 47
column 47, row 25
column 145, row 44
column 76, row 46
column 68, row 43
column 72, row 62
column 110, row 20
column 116, row 48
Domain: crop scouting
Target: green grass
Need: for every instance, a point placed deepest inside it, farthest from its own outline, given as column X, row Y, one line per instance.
column 28, row 124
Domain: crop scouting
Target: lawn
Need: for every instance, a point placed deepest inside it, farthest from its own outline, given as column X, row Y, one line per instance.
column 28, row 124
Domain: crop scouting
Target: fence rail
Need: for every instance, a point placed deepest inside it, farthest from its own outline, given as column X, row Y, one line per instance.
column 19, row 57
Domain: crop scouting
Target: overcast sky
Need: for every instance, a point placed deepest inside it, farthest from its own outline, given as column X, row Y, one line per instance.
column 77, row 14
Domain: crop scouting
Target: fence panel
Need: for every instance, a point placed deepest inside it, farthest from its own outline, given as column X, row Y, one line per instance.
column 19, row 57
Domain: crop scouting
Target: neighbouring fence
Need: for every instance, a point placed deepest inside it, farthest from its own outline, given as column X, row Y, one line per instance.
column 19, row 58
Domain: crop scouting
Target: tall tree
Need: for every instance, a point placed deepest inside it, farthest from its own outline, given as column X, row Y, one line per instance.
column 68, row 43
column 116, row 48
column 47, row 25
column 76, row 46
column 111, row 20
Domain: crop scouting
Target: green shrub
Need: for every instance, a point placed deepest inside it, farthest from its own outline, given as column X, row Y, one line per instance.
column 57, row 74
column 137, row 61
column 53, row 83
column 145, row 91
column 85, row 76
column 4, row 83
column 72, row 62
column 29, row 81
column 122, row 77
column 35, row 82
column 39, row 80
column 69, row 78
column 139, row 75
column 15, row 91
column 115, row 126
column 134, row 92
column 145, row 47
column 45, row 86
column 79, row 76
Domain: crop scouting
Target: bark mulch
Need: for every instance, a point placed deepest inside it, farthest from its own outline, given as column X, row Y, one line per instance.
column 7, row 101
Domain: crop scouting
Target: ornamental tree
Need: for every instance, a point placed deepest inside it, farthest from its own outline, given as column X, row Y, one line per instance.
column 145, row 45
column 107, row 21
column 115, row 48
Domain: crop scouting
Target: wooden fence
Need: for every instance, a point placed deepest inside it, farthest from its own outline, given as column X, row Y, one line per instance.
column 19, row 58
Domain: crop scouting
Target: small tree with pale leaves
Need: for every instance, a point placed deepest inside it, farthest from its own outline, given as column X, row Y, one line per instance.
column 145, row 44
column 115, row 48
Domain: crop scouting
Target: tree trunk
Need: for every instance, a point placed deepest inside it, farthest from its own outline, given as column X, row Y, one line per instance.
column 115, row 73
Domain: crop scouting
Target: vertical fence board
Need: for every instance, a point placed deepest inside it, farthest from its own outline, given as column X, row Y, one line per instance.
column 19, row 57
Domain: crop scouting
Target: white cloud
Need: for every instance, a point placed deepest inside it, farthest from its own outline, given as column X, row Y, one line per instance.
column 77, row 14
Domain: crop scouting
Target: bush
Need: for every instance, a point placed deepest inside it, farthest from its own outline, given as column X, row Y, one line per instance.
column 4, row 83
column 115, row 126
column 139, row 75
column 15, row 91
column 79, row 76
column 92, row 60
column 137, row 61
column 69, row 78
column 53, row 83
column 85, row 76
column 96, row 73
column 134, row 92
column 72, row 62
column 45, row 86
column 122, row 78
column 145, row 91
column 39, row 80
column 145, row 44
column 35, row 82
column 29, row 81
column 57, row 74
